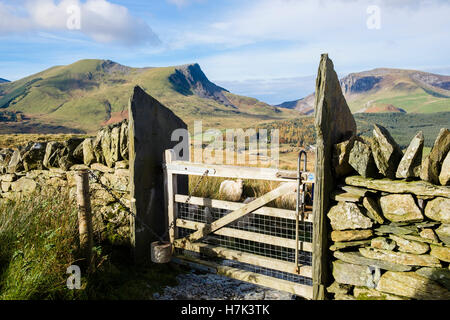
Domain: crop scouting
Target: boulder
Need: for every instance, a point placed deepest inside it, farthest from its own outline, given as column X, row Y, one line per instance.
column 88, row 151
column 341, row 154
column 444, row 176
column 361, row 159
column 15, row 164
column 410, row 246
column 438, row 210
column 353, row 274
column 339, row 288
column 386, row 152
column 97, row 147
column 440, row 275
column 431, row 166
column 33, row 159
column 348, row 216
column 350, row 235
column 429, row 235
column 412, row 285
column 52, row 154
column 383, row 243
column 102, row 168
column 357, row 258
column 411, row 162
column 442, row 253
column 5, row 158
column 443, row 233
column 407, row 259
column 9, row 177
column 400, row 208
column 373, row 210
column 24, row 185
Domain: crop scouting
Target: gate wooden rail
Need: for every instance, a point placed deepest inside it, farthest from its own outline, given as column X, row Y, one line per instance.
column 249, row 242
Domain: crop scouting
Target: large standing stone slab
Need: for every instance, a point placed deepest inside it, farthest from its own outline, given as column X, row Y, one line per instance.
column 444, row 176
column 386, row 152
column 400, row 208
column 438, row 209
column 431, row 166
column 345, row 215
column 412, row 285
column 411, row 162
column 334, row 123
column 150, row 129
column 361, row 159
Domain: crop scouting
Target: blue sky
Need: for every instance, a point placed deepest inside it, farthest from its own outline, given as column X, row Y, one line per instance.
column 268, row 49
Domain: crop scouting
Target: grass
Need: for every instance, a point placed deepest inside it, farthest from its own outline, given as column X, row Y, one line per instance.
column 38, row 241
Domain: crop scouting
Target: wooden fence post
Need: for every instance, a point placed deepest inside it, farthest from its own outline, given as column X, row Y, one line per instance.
column 84, row 216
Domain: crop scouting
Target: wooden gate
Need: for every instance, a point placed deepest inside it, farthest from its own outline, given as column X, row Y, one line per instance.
column 251, row 242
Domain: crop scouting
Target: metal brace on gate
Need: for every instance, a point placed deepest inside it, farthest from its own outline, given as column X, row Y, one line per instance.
column 300, row 203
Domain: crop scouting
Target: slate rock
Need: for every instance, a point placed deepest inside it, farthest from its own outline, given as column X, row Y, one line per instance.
column 443, row 233
column 411, row 162
column 444, row 176
column 431, row 166
column 438, row 209
column 400, row 208
column 386, row 152
column 412, row 285
column 361, row 159
column 345, row 216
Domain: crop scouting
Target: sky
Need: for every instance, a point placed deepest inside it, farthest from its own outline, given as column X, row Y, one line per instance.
column 267, row 49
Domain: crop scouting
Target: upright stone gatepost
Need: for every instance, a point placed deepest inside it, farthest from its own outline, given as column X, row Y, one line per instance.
column 150, row 130
column 334, row 123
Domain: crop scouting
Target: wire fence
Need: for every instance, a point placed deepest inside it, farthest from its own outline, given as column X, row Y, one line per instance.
column 266, row 225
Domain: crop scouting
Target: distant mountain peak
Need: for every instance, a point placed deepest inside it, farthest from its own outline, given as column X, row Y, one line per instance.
column 389, row 90
column 3, row 80
column 190, row 79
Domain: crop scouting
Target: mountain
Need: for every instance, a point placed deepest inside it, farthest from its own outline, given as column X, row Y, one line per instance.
column 90, row 93
column 391, row 90
column 3, row 80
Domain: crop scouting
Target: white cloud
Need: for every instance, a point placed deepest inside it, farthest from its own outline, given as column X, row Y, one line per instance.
column 100, row 20
column 183, row 3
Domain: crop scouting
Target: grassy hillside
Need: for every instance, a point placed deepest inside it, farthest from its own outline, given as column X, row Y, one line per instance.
column 91, row 93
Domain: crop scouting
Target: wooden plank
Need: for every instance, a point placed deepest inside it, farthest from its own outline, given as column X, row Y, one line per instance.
column 255, row 278
column 242, row 234
column 233, row 172
column 228, row 205
column 239, row 213
column 257, row 260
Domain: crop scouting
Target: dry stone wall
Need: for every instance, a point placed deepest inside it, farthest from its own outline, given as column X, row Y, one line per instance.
column 390, row 219
column 27, row 169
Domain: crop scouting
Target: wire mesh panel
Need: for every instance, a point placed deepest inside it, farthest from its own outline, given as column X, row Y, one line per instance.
column 277, row 229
